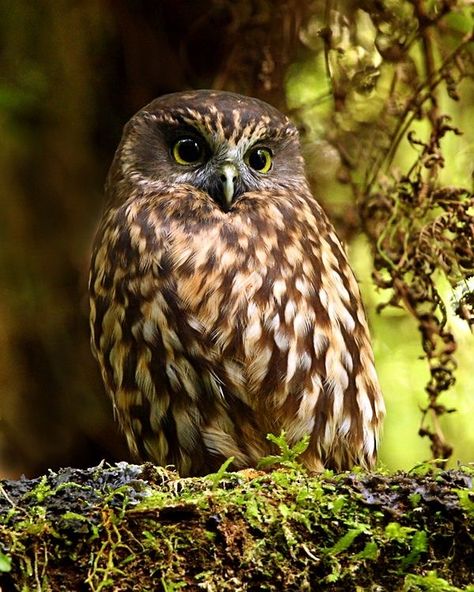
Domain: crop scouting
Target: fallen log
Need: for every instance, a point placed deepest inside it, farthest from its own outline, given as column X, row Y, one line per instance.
column 128, row 527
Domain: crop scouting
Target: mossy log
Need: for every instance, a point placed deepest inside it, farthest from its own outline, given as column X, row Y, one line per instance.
column 143, row 528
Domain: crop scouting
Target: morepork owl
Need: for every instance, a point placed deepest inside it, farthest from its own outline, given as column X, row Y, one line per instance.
column 223, row 307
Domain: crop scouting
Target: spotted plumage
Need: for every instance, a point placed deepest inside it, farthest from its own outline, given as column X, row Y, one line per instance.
column 223, row 307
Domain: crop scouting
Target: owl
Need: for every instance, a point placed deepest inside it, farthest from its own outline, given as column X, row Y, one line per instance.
column 223, row 307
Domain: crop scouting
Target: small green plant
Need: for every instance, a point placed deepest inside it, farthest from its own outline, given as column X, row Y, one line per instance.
column 466, row 501
column 288, row 455
column 172, row 586
column 346, row 540
column 430, row 583
column 416, row 540
column 217, row 477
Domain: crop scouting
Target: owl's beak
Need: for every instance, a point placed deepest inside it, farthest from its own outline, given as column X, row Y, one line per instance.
column 228, row 177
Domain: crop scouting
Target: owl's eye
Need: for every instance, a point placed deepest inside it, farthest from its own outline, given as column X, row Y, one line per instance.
column 260, row 159
column 187, row 151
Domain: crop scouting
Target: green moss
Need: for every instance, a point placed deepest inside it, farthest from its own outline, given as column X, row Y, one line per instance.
column 430, row 583
column 144, row 528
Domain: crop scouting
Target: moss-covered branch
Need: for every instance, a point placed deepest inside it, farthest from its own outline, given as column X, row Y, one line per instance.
column 130, row 527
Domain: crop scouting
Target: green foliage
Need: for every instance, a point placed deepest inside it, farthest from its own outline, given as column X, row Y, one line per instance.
column 5, row 563
column 397, row 532
column 466, row 500
column 415, row 540
column 418, row 545
column 346, row 541
column 216, row 478
column 172, row 586
column 370, row 551
column 430, row 583
column 424, row 468
column 288, row 455
column 392, row 125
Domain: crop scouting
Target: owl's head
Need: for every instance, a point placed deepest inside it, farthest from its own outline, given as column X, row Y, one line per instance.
column 221, row 143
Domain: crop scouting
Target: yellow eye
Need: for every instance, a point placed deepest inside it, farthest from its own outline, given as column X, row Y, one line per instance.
column 260, row 159
column 187, row 151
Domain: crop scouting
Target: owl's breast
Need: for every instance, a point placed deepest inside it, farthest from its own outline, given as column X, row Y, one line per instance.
column 221, row 318
column 246, row 287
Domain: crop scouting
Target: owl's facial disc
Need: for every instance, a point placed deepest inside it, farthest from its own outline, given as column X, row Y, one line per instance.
column 224, row 145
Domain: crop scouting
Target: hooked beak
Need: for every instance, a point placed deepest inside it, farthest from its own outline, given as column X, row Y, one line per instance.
column 228, row 177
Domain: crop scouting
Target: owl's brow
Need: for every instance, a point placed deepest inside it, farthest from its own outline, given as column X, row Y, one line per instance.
column 212, row 121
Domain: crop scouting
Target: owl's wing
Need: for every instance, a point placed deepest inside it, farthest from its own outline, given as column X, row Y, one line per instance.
column 341, row 399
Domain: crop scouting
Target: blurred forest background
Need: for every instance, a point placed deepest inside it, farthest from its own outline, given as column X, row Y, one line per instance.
column 382, row 92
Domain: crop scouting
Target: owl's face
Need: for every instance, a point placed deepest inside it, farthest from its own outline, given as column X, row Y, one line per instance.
column 223, row 144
